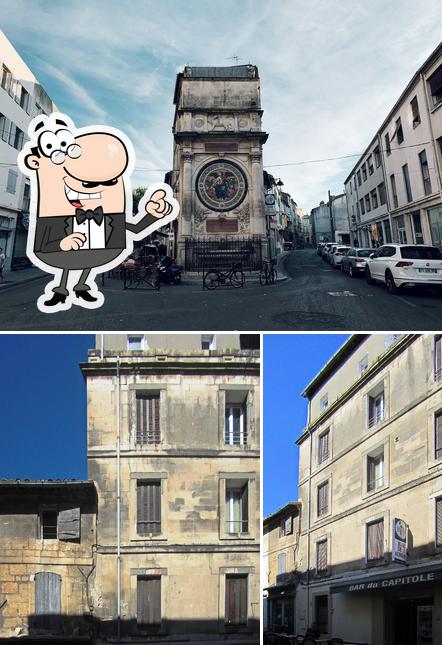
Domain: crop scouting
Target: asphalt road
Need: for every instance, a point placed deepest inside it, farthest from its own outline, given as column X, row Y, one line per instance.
column 313, row 298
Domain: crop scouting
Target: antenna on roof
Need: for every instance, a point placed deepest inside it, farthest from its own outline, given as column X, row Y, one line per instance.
column 235, row 58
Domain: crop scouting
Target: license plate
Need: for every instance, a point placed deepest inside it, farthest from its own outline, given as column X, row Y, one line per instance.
column 427, row 270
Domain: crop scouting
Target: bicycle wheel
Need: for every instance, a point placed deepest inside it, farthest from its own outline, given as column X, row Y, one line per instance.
column 155, row 280
column 273, row 275
column 237, row 279
column 262, row 278
column 211, row 280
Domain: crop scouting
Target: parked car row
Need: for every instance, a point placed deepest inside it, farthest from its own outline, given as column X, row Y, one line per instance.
column 395, row 265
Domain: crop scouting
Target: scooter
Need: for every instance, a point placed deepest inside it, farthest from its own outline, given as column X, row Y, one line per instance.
column 169, row 272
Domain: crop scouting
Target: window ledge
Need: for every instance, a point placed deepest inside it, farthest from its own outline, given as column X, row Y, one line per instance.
column 237, row 536
column 371, row 493
column 149, row 538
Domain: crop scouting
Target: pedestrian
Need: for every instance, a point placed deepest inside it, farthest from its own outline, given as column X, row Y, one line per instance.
column 2, row 263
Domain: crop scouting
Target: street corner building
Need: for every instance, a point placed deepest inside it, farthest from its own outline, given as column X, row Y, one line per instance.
column 217, row 174
column 280, row 562
column 162, row 541
column 173, row 447
column 370, row 485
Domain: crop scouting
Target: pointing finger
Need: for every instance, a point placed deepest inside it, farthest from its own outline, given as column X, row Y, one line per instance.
column 157, row 195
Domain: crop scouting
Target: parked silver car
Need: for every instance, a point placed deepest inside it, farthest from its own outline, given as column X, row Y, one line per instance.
column 338, row 253
column 355, row 261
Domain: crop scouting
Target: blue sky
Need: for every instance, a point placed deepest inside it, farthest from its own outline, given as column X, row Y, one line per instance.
column 330, row 69
column 290, row 362
column 43, row 406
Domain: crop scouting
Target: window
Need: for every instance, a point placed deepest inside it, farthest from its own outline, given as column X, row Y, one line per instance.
column 358, row 174
column 387, row 230
column 438, row 436
column 149, row 507
column 5, row 126
column 11, row 186
column 425, row 172
column 60, row 524
column 439, row 521
column 374, row 198
column 401, row 230
column 282, row 563
column 26, row 197
column 417, row 227
column 390, row 339
column 377, row 156
column 437, row 357
column 354, row 182
column 370, row 164
column 49, row 521
column 18, row 139
column 235, row 429
column 435, row 84
column 6, row 78
column 394, row 191
column 286, row 527
column 367, row 203
column 398, row 133
column 323, row 403
column 416, row 118
column 364, row 172
column 135, row 343
column 148, row 428
column 237, row 507
column 363, row 364
column 375, row 470
column 148, row 601
column 321, row 556
column 375, row 540
column 236, row 600
column 382, row 193
column 407, row 182
column 375, row 409
column 24, row 100
column 361, row 202
column 321, row 613
column 387, row 144
column 208, row 341
column 323, row 499
column 323, row 446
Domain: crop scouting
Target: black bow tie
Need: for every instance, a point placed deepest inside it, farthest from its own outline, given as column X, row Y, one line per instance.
column 96, row 214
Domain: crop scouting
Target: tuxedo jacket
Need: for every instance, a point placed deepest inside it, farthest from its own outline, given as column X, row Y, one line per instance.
column 50, row 231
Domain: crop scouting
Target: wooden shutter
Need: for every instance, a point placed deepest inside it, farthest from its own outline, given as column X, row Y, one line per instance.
column 323, row 498
column 149, row 507
column 321, row 556
column 438, row 435
column 69, row 524
column 371, row 475
column 245, row 509
column 148, row 419
column 149, row 601
column 439, row 521
column 47, row 600
column 236, row 600
column 437, row 357
column 288, row 526
column 323, row 447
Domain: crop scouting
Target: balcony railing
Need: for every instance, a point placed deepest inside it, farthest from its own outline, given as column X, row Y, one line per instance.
column 376, row 418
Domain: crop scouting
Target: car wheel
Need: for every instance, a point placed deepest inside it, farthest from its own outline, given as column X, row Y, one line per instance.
column 342, row 268
column 350, row 271
column 368, row 276
column 389, row 281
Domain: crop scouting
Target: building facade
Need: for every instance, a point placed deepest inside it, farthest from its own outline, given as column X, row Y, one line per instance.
column 217, row 163
column 21, row 99
column 47, row 555
column 173, row 446
column 280, row 564
column 394, row 192
column 370, row 473
column 330, row 222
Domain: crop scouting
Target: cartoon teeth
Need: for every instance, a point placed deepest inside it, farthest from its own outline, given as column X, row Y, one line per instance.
column 73, row 196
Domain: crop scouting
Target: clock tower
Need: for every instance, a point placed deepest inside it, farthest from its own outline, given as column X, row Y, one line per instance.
column 218, row 170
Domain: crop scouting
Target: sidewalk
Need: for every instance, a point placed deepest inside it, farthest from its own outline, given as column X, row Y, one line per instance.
column 16, row 278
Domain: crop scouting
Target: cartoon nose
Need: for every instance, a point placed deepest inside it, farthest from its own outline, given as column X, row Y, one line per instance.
column 103, row 157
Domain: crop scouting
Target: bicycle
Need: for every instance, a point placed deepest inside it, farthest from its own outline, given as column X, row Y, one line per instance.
column 142, row 277
column 215, row 277
column 268, row 273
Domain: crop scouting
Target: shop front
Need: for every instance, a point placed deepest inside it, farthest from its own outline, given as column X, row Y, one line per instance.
column 281, row 608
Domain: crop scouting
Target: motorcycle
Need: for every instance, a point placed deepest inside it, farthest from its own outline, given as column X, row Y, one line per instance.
column 169, row 272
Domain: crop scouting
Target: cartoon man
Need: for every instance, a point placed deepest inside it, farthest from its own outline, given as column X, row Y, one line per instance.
column 81, row 221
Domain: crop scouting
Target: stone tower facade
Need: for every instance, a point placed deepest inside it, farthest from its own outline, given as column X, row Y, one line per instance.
column 218, row 170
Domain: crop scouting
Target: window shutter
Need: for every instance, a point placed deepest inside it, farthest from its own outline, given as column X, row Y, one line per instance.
column 438, row 435
column 149, row 507
column 439, row 521
column 321, row 564
column 245, row 509
column 69, row 524
column 370, row 474
column 288, row 526
column 148, row 419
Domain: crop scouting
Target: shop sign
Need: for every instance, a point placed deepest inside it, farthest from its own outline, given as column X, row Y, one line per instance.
column 388, row 583
column 399, row 551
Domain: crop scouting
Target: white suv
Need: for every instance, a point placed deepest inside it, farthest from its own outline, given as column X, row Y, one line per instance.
column 401, row 265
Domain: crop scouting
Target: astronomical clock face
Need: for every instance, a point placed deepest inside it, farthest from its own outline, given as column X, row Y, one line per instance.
column 221, row 185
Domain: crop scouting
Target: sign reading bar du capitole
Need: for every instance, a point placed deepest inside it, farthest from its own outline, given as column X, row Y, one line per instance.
column 399, row 550
column 385, row 583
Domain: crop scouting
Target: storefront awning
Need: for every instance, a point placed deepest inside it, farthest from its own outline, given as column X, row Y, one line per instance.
column 405, row 577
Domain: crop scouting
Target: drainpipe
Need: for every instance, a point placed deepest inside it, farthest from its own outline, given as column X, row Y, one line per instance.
column 102, row 345
column 309, row 515
column 118, row 507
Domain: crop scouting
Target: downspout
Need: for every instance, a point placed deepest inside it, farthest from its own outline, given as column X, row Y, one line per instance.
column 309, row 505
column 118, row 507
column 102, row 346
